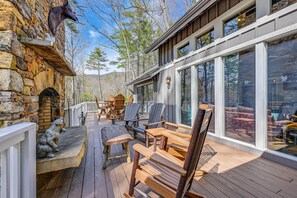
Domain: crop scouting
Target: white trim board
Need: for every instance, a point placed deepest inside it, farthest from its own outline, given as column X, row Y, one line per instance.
column 266, row 38
column 261, row 21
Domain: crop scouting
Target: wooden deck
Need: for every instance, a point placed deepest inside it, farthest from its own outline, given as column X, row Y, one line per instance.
column 232, row 173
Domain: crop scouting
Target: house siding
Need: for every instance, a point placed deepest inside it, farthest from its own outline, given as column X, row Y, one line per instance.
column 166, row 54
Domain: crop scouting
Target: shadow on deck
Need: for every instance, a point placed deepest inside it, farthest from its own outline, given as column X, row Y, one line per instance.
column 232, row 173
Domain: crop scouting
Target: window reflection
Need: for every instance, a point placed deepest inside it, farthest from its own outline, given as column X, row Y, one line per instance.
column 206, row 89
column 282, row 95
column 240, row 96
column 244, row 19
column 184, row 50
column 186, row 96
column 280, row 4
column 205, row 39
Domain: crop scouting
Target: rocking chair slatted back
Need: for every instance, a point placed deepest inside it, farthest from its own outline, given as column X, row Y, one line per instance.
column 131, row 111
column 199, row 132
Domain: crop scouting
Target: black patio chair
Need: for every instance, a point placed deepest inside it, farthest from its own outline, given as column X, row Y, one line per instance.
column 153, row 121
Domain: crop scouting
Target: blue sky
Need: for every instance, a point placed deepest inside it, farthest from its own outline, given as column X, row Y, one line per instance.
column 95, row 39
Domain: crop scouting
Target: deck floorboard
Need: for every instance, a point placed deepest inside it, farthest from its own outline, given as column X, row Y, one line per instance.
column 232, row 173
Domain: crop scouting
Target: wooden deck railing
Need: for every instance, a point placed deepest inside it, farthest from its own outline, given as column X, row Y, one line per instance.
column 18, row 161
column 73, row 115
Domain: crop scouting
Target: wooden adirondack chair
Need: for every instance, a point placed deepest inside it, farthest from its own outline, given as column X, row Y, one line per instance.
column 131, row 111
column 101, row 109
column 154, row 119
column 165, row 174
column 119, row 104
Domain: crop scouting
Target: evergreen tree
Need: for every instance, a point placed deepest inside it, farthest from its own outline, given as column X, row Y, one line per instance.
column 96, row 62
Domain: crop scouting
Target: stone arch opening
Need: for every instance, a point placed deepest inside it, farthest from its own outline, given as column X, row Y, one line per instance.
column 49, row 108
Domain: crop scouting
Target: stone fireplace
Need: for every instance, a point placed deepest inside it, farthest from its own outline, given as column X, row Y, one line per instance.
column 49, row 108
column 32, row 68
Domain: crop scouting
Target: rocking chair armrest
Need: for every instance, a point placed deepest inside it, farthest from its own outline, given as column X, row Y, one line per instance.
column 158, row 158
column 176, row 138
column 179, row 134
column 177, row 125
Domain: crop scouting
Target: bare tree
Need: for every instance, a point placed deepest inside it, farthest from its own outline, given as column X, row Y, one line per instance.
column 74, row 47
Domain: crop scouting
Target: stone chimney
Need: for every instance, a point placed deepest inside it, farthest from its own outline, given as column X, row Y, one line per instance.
column 26, row 70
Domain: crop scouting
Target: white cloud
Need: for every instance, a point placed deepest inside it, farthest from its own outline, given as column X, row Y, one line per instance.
column 93, row 34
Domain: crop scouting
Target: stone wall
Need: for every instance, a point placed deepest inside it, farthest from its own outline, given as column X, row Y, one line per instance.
column 23, row 74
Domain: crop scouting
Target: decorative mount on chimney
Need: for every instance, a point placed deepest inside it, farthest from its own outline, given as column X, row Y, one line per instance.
column 58, row 14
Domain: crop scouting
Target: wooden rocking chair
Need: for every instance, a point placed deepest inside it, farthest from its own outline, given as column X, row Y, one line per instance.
column 165, row 174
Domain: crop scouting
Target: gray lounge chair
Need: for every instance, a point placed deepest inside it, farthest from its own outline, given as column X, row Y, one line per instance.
column 131, row 114
column 154, row 119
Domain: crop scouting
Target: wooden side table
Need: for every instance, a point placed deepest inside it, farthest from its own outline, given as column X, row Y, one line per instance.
column 154, row 133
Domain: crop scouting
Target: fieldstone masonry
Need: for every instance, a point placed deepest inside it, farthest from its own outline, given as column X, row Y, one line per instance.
column 24, row 74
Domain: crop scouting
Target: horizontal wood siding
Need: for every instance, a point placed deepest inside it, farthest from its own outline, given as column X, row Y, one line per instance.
column 166, row 51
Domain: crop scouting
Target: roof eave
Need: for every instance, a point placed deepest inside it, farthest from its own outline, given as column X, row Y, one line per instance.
column 176, row 25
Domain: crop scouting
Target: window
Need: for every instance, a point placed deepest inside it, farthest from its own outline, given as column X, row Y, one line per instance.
column 145, row 96
column 186, row 96
column 282, row 95
column 240, row 96
column 184, row 50
column 280, row 4
column 244, row 19
column 206, row 88
column 205, row 39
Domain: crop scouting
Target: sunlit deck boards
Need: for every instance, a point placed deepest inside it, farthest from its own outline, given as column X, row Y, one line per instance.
column 232, row 173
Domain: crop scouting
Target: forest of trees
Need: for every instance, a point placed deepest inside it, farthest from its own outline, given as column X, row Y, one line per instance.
column 127, row 27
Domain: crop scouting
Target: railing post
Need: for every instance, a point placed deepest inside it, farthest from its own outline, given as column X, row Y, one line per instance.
column 13, row 170
column 4, row 174
column 28, row 164
column 69, row 113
